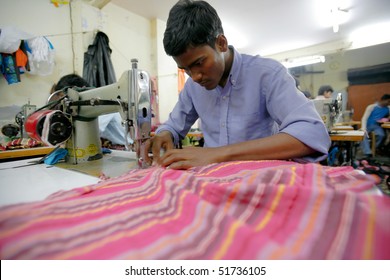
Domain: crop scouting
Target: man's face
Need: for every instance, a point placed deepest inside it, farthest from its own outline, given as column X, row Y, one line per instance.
column 203, row 64
column 328, row 94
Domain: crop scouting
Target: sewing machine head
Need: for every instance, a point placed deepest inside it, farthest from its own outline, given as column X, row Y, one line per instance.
column 73, row 118
column 330, row 110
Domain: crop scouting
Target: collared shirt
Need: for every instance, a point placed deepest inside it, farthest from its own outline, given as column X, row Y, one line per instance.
column 259, row 99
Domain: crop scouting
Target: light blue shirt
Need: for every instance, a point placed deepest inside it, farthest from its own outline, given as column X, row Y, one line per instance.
column 259, row 99
column 110, row 128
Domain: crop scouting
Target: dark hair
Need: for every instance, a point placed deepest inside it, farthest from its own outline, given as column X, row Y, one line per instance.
column 325, row 88
column 306, row 93
column 191, row 23
column 385, row 96
column 71, row 80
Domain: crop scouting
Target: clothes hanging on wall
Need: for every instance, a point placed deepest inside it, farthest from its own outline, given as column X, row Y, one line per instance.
column 9, row 68
column 98, row 69
column 12, row 65
column 41, row 56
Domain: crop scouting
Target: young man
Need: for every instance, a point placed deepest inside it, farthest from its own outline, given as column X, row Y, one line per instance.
column 371, row 121
column 249, row 106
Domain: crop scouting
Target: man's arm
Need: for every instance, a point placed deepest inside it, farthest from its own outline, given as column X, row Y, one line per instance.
column 281, row 146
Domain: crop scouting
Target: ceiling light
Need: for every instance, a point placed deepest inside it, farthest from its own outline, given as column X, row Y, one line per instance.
column 300, row 61
column 370, row 35
column 338, row 17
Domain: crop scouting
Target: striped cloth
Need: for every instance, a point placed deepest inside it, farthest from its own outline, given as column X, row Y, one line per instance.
column 234, row 210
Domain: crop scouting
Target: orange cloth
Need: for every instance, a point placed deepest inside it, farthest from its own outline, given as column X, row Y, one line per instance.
column 21, row 58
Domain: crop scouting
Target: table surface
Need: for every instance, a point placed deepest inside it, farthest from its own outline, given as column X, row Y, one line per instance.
column 36, row 182
column 20, row 153
column 348, row 135
column 343, row 127
column 349, row 123
column 386, row 125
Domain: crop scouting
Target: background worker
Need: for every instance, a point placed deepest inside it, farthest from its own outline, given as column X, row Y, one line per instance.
column 324, row 92
column 372, row 119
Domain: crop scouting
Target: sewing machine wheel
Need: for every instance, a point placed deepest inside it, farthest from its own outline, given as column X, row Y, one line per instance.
column 50, row 127
column 10, row 130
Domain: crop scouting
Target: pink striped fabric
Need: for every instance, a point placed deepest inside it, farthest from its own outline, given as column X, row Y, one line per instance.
column 235, row 210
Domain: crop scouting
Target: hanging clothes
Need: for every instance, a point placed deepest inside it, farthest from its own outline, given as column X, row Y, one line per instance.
column 41, row 56
column 98, row 69
column 9, row 68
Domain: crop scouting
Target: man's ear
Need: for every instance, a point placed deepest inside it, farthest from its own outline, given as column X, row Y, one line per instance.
column 221, row 43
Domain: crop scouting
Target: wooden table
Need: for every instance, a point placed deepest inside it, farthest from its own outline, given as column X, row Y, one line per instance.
column 24, row 153
column 348, row 137
column 386, row 125
column 356, row 124
column 351, row 123
column 343, row 127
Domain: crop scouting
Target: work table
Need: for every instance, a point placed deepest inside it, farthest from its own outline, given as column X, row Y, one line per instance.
column 19, row 183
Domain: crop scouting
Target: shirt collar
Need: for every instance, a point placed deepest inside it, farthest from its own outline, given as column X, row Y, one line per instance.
column 236, row 66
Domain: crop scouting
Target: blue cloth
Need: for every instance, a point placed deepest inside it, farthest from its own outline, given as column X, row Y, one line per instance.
column 259, row 99
column 56, row 156
column 377, row 113
column 106, row 151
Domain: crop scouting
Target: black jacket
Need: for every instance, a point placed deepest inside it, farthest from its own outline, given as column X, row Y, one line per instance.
column 98, row 70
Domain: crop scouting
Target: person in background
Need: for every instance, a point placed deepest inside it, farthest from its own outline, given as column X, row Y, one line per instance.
column 324, row 92
column 374, row 115
column 307, row 94
column 298, row 85
column 249, row 106
column 110, row 125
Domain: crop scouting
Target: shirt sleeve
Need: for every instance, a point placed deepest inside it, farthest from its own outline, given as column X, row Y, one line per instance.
column 295, row 114
column 182, row 117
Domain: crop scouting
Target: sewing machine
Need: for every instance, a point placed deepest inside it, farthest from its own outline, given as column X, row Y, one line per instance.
column 74, row 121
column 330, row 110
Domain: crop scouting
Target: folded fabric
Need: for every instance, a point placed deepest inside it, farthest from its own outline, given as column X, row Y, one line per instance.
column 56, row 156
column 233, row 210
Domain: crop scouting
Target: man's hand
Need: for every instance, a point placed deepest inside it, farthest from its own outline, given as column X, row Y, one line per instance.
column 162, row 141
column 189, row 157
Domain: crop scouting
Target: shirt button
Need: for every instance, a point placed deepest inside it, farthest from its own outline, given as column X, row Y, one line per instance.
column 223, row 124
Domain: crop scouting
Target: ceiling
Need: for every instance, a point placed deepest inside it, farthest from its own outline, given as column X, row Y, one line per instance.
column 272, row 27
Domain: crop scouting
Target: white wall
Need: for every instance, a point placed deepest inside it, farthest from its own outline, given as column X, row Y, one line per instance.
column 167, row 75
column 130, row 37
